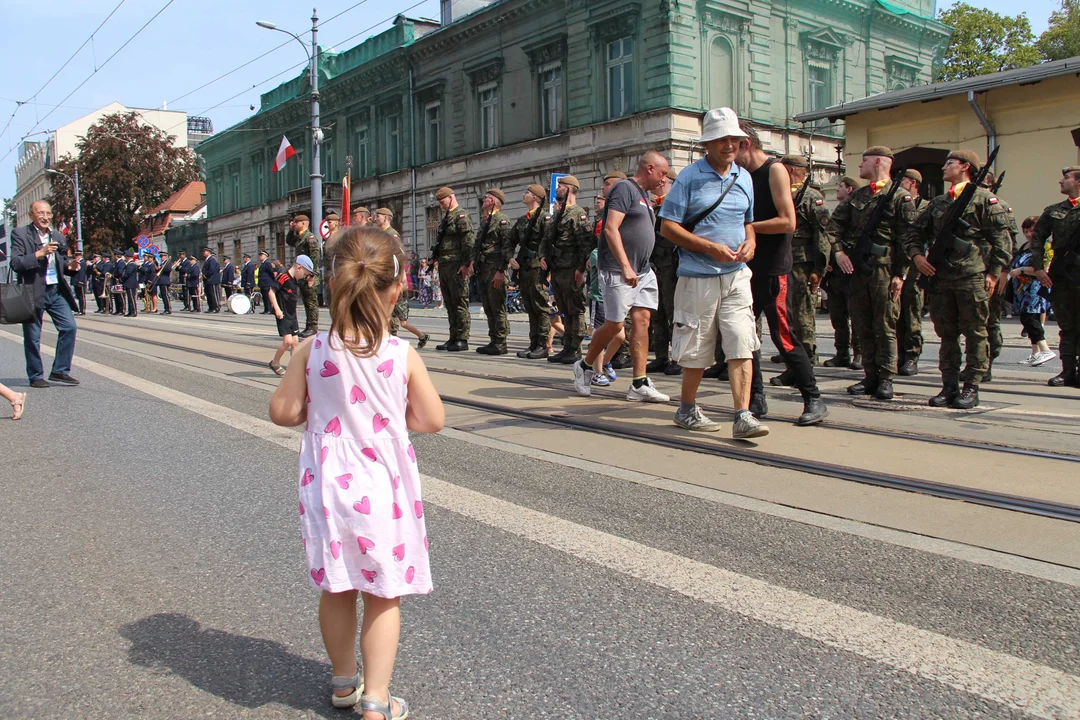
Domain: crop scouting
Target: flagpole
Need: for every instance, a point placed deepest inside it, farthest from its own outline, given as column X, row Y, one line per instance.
column 78, row 211
column 316, row 141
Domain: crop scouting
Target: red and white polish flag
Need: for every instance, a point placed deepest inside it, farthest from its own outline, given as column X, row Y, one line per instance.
column 283, row 154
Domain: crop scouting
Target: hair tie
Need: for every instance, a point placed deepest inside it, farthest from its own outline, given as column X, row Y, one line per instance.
column 362, row 263
column 397, row 266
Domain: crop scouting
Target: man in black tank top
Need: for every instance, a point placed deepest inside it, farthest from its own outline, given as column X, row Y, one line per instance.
column 774, row 222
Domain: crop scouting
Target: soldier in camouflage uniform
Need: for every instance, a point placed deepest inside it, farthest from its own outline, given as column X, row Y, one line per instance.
column 453, row 249
column 845, row 342
column 810, row 251
column 877, row 277
column 994, row 337
column 909, row 339
column 665, row 263
column 399, row 318
column 490, row 260
column 526, row 236
column 305, row 243
column 565, row 252
column 959, row 295
column 1062, row 221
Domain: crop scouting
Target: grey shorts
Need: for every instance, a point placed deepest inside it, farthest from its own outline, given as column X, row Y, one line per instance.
column 620, row 297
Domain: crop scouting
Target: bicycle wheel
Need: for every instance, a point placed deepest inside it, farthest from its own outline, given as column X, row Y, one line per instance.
column 256, row 299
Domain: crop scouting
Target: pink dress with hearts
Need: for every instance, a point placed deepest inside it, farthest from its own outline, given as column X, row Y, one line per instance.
column 361, row 513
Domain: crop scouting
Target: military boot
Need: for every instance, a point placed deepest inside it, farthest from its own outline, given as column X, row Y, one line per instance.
column 621, row 361
column 557, row 357
column 524, row 354
column 443, row 346
column 884, row 389
column 967, row 399
column 713, row 371
column 867, row 386
column 784, row 379
column 946, row 397
column 840, row 360
column 856, row 362
column 538, row 353
column 814, row 411
column 656, row 365
column 1067, row 376
column 488, row 349
column 909, row 368
column 673, row 368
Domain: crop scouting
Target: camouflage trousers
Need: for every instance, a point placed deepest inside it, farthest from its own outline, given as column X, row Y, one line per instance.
column 663, row 316
column 803, row 307
column 1066, row 301
column 909, row 339
column 455, row 290
column 534, row 293
column 400, row 314
column 840, row 316
column 960, row 307
column 310, row 294
column 494, row 301
column 994, row 339
column 873, row 316
column 571, row 301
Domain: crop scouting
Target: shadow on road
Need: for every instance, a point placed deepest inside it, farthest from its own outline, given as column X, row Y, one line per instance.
column 246, row 671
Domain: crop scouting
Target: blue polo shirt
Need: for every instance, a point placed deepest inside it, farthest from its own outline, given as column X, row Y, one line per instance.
column 697, row 187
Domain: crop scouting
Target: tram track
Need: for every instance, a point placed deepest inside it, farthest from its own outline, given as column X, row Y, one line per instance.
column 1016, row 503
column 715, row 409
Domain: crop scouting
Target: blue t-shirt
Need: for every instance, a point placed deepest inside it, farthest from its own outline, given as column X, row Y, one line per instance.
column 697, row 187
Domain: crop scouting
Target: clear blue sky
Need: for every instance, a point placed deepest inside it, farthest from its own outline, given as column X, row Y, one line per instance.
column 189, row 44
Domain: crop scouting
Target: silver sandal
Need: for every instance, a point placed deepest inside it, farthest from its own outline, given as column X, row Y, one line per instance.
column 344, row 682
column 370, row 703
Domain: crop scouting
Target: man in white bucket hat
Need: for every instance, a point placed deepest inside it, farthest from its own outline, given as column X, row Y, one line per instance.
column 708, row 214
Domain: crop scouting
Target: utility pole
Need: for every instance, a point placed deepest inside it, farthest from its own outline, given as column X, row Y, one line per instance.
column 78, row 211
column 316, row 138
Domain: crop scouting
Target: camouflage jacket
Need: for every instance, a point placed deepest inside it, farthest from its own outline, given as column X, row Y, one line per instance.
column 454, row 241
column 810, row 241
column 493, row 242
column 1061, row 222
column 305, row 244
column 568, row 240
column 526, row 237
column 1014, row 229
column 987, row 232
column 850, row 217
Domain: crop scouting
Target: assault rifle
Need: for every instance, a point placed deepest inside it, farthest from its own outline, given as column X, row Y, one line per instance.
column 437, row 245
column 997, row 185
column 946, row 241
column 865, row 248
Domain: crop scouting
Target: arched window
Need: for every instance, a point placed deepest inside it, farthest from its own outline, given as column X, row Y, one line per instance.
column 721, row 74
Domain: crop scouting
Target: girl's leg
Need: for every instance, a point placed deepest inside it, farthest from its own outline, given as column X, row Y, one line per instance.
column 337, row 621
column 379, row 645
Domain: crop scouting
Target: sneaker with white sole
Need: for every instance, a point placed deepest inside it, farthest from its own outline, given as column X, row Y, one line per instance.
column 1042, row 357
column 610, row 372
column 747, row 426
column 695, row 420
column 646, row 393
column 1028, row 360
column 582, row 379
column 600, row 380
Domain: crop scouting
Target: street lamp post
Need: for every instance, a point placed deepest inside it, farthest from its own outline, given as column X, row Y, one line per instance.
column 78, row 207
column 316, row 131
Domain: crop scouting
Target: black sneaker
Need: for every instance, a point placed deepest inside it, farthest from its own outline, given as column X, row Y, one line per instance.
column 63, row 378
column 423, row 341
column 945, row 398
column 39, row 383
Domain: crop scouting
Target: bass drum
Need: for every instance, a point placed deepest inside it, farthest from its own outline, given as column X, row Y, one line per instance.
column 240, row 303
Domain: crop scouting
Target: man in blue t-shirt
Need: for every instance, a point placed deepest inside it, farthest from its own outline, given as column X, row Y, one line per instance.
column 708, row 213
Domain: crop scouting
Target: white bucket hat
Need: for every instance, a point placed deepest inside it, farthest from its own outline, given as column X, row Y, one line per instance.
column 721, row 123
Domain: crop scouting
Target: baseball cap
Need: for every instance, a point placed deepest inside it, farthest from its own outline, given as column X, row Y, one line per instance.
column 721, row 123
column 305, row 262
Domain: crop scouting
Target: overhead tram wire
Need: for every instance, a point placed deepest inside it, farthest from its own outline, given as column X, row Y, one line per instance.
column 260, row 57
column 306, row 62
column 95, row 72
column 66, row 62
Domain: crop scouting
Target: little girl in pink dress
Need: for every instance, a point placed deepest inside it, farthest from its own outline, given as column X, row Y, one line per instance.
column 360, row 391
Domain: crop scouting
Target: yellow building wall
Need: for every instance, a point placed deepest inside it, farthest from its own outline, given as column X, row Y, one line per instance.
column 1033, row 125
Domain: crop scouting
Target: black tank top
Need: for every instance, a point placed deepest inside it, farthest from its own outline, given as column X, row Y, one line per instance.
column 773, row 254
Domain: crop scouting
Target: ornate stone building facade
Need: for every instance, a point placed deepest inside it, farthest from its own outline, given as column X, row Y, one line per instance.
column 519, row 89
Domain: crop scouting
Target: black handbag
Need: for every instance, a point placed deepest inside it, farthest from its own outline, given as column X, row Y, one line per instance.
column 16, row 303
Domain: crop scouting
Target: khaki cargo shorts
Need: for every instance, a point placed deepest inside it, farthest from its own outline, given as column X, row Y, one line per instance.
column 706, row 306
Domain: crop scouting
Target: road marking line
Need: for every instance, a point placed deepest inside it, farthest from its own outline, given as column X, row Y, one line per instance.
column 1021, row 684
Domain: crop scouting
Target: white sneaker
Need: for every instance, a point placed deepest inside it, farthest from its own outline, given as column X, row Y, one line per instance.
column 646, row 393
column 746, row 426
column 696, row 420
column 1042, row 357
column 582, row 380
column 1026, row 361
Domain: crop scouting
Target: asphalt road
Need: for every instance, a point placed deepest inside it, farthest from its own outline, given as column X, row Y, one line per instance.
column 153, row 569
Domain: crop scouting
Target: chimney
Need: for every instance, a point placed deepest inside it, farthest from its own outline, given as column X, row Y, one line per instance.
column 455, row 9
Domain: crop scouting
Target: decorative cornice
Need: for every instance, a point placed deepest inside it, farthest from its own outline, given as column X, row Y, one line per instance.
column 488, row 71
column 546, row 51
column 459, row 32
column 722, row 18
column 823, row 44
column 431, row 91
column 617, row 22
column 901, row 71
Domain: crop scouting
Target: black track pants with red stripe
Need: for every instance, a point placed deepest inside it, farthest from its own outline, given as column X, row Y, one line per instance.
column 771, row 297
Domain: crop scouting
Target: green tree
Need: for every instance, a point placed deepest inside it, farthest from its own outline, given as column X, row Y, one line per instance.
column 985, row 42
column 1062, row 38
column 126, row 169
column 9, row 212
